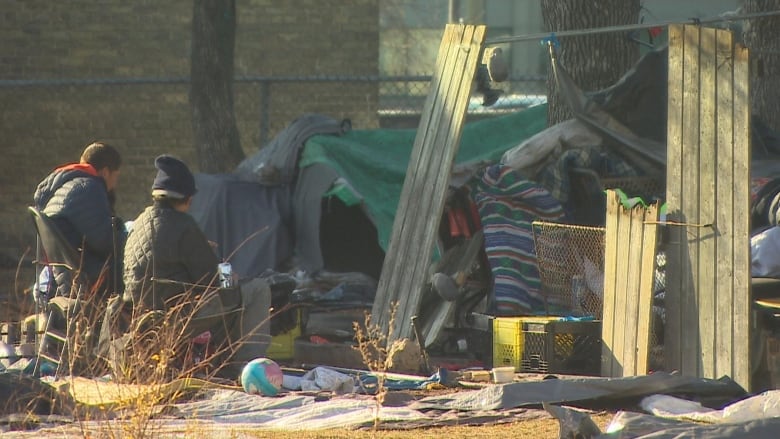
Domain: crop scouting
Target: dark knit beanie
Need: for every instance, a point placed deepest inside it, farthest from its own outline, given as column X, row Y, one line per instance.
column 173, row 178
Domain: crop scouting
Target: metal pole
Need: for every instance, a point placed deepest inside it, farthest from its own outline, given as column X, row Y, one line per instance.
column 453, row 11
column 265, row 98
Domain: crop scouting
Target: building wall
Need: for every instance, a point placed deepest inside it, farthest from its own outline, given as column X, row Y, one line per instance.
column 119, row 41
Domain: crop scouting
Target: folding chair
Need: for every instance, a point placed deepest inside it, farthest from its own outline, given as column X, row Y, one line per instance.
column 141, row 337
column 54, row 250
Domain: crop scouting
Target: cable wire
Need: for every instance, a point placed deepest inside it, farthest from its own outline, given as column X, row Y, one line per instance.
column 629, row 27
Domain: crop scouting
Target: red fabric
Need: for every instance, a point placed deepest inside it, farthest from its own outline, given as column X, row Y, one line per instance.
column 316, row 339
column 84, row 167
column 463, row 224
column 453, row 223
column 202, row 338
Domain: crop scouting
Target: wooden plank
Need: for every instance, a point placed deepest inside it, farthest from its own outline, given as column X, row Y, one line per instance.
column 674, row 248
column 705, row 278
column 724, row 195
column 621, row 291
column 691, row 360
column 631, row 235
column 646, row 288
column 609, row 364
column 405, row 270
column 708, row 272
column 629, row 276
column 433, row 188
column 386, row 287
column 434, row 185
column 389, row 285
column 741, row 186
column 401, row 277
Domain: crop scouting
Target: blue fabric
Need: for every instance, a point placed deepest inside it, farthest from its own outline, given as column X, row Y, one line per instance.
column 369, row 382
column 556, row 177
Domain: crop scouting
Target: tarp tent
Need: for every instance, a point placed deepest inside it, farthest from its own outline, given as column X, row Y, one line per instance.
column 372, row 164
column 364, row 168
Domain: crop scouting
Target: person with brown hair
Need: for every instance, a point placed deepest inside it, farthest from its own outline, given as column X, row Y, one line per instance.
column 79, row 197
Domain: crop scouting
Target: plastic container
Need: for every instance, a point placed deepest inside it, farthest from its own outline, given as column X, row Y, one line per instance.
column 504, row 374
column 508, row 339
column 225, row 274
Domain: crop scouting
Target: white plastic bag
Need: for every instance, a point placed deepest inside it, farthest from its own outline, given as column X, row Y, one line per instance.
column 323, row 378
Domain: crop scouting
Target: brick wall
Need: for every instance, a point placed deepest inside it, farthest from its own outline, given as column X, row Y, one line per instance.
column 44, row 126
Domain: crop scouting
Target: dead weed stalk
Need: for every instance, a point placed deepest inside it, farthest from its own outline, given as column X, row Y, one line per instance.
column 372, row 343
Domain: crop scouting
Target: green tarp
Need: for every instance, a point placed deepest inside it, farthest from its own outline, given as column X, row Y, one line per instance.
column 372, row 163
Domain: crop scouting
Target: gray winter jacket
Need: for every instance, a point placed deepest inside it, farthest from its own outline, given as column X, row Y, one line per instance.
column 166, row 245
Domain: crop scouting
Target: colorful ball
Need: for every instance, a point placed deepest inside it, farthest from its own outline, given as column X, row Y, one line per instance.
column 262, row 376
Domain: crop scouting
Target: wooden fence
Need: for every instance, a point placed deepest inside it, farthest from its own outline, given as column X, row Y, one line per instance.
column 708, row 200
column 629, row 277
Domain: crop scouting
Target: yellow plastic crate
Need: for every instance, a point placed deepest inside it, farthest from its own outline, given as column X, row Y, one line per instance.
column 282, row 346
column 508, row 339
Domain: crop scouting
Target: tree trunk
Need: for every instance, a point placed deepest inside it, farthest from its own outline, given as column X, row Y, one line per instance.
column 760, row 36
column 215, row 134
column 594, row 61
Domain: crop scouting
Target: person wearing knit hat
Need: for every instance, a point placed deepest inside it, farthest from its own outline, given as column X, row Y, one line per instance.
column 174, row 179
column 170, row 266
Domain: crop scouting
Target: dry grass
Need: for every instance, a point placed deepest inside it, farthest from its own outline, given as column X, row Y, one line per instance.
column 160, row 351
column 372, row 345
column 155, row 366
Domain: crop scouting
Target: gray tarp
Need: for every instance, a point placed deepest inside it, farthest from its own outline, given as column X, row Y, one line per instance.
column 754, row 417
column 631, row 425
column 585, row 392
column 249, row 221
column 632, row 113
column 639, row 426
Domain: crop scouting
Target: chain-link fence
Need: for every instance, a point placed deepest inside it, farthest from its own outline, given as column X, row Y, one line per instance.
column 571, row 270
column 401, row 98
column 405, row 95
column 571, row 266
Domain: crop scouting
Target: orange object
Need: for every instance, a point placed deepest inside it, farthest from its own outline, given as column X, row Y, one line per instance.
column 316, row 339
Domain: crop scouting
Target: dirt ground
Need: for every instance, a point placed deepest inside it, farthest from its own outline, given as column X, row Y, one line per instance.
column 536, row 429
column 546, row 428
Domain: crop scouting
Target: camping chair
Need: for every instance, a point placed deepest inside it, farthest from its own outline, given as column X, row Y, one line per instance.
column 133, row 338
column 54, row 250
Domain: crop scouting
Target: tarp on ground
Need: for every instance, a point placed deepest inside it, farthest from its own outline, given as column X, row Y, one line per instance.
column 627, row 425
column 372, row 163
column 590, row 392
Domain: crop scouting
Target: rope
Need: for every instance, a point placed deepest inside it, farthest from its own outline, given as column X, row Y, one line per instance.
column 676, row 223
column 629, row 27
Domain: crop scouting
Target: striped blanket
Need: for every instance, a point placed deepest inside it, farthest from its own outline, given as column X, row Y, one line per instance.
column 508, row 204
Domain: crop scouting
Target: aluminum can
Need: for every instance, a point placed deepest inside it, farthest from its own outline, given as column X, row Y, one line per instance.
column 225, row 275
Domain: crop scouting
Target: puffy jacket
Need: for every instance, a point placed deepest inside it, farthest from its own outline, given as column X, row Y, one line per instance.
column 168, row 245
column 77, row 199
